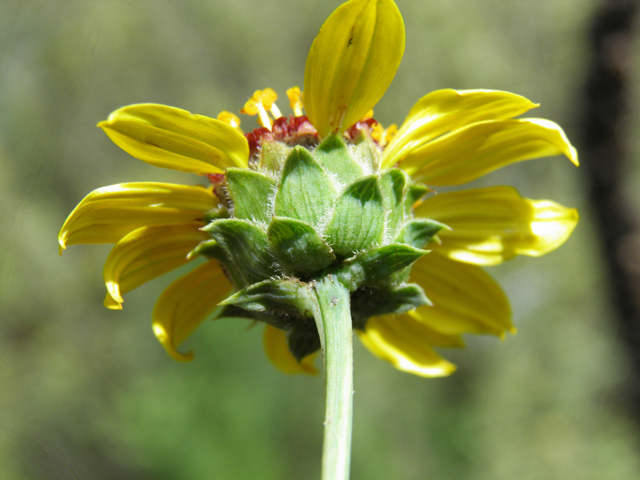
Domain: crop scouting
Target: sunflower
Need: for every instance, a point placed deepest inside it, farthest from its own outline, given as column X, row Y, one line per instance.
column 330, row 194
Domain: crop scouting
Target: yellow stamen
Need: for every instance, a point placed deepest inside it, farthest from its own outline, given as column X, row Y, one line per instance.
column 377, row 133
column 368, row 115
column 295, row 100
column 253, row 107
column 259, row 103
column 383, row 136
column 275, row 111
column 389, row 133
column 266, row 97
column 229, row 118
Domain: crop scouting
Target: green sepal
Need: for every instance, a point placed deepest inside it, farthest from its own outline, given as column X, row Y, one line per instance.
column 246, row 247
column 271, row 154
column 298, row 246
column 212, row 249
column 358, row 220
column 250, row 193
column 282, row 322
column 414, row 193
column 369, row 302
column 393, row 183
column 366, row 152
column 216, row 213
column 419, row 231
column 303, row 339
column 379, row 265
column 279, row 296
column 334, row 156
column 306, row 193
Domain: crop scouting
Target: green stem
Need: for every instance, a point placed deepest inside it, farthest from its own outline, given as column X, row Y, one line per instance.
column 332, row 314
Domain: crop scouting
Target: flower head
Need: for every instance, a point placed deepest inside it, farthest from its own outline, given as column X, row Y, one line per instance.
column 330, row 193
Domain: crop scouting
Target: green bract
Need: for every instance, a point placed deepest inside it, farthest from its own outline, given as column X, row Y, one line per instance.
column 302, row 214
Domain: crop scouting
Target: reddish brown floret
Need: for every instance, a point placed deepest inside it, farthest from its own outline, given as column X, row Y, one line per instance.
column 363, row 125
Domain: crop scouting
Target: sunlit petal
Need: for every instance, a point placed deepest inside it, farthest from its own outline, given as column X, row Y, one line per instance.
column 490, row 225
column 352, row 62
column 186, row 303
column 109, row 213
column 173, row 138
column 473, row 151
column 277, row 350
column 147, row 253
column 447, row 110
column 465, row 298
column 401, row 341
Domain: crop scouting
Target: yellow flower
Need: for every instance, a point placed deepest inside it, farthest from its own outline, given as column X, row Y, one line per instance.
column 449, row 138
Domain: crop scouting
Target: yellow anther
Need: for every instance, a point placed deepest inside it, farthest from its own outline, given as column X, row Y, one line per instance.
column 381, row 135
column 230, row 118
column 389, row 133
column 253, row 107
column 266, row 97
column 368, row 115
column 261, row 102
column 250, row 107
column 295, row 100
column 377, row 133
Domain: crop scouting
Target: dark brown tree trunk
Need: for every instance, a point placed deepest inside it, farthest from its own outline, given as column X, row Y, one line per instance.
column 605, row 154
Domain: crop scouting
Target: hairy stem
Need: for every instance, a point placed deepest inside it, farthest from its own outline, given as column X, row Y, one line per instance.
column 333, row 318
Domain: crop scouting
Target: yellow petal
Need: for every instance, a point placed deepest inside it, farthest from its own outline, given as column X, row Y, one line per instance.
column 468, row 153
column 490, row 225
column 173, row 138
column 352, row 62
column 147, row 253
column 446, row 110
column 465, row 298
column 186, row 303
column 277, row 350
column 109, row 213
column 396, row 339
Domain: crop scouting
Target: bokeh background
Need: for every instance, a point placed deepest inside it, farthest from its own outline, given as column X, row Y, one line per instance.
column 88, row 393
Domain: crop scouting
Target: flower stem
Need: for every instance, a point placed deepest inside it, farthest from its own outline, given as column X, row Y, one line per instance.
column 332, row 314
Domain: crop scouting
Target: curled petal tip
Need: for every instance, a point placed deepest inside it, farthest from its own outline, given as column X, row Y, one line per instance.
column 164, row 338
column 573, row 156
column 111, row 303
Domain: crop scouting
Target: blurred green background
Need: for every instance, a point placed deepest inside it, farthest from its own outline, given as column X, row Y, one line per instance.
column 88, row 393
